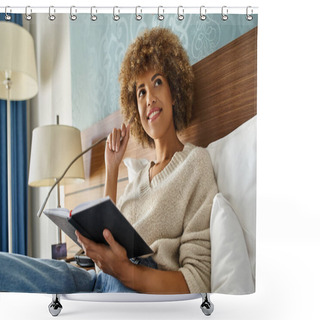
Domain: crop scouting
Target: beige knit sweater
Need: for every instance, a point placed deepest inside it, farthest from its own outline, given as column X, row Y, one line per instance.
column 172, row 214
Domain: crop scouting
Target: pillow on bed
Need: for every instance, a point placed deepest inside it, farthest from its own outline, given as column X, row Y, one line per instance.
column 230, row 264
column 234, row 164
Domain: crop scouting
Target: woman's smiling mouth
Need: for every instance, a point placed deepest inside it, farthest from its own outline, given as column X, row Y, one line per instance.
column 154, row 114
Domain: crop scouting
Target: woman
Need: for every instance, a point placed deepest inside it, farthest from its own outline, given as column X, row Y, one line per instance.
column 169, row 202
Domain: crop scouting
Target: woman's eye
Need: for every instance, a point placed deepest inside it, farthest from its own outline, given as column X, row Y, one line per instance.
column 158, row 82
column 141, row 93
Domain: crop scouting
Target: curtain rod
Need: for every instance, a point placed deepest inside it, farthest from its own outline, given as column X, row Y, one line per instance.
column 28, row 10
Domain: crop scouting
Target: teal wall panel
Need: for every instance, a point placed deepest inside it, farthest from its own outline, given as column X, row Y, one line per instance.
column 98, row 47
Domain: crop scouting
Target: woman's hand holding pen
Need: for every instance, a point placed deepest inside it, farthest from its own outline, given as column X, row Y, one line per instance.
column 116, row 146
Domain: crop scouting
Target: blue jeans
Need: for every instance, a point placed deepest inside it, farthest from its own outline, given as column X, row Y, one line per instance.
column 20, row 273
column 107, row 283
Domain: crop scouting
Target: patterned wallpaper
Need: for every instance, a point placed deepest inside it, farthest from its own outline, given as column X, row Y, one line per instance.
column 98, row 47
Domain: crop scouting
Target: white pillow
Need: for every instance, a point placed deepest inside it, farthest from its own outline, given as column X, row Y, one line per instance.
column 230, row 264
column 234, row 164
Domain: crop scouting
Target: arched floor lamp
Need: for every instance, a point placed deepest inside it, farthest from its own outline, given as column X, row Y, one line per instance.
column 18, row 81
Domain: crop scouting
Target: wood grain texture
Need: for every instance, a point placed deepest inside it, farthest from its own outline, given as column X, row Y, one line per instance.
column 225, row 97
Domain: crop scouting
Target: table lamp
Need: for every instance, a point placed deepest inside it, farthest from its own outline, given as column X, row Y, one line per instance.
column 18, row 81
column 53, row 147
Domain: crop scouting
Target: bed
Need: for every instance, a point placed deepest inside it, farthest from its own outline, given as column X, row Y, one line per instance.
column 223, row 121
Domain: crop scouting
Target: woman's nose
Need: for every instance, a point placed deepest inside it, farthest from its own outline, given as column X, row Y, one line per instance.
column 151, row 99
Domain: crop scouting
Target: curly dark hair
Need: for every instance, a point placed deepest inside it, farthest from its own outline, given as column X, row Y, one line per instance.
column 161, row 50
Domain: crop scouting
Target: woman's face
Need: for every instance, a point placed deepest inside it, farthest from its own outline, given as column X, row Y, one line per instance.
column 155, row 104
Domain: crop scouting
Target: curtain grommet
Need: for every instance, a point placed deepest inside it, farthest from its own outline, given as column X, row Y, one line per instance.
column 27, row 15
column 224, row 13
column 180, row 13
column 93, row 17
column 160, row 16
column 73, row 17
column 52, row 17
column 7, row 16
column 116, row 17
column 203, row 15
column 249, row 16
column 138, row 16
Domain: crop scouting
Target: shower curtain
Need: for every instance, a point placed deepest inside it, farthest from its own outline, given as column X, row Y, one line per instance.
column 79, row 59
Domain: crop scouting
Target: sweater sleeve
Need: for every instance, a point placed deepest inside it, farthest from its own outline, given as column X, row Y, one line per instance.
column 195, row 248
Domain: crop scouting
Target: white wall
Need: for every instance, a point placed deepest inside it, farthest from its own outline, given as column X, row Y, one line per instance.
column 54, row 98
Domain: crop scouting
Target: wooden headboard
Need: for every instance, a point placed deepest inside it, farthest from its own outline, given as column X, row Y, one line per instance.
column 225, row 97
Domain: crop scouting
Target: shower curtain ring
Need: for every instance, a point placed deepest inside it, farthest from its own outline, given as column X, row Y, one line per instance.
column 27, row 15
column 73, row 17
column 160, row 16
column 7, row 16
column 93, row 16
column 224, row 13
column 203, row 15
column 116, row 17
column 138, row 16
column 52, row 17
column 249, row 16
column 180, row 15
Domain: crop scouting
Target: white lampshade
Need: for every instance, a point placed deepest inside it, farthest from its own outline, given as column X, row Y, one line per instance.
column 17, row 62
column 53, row 148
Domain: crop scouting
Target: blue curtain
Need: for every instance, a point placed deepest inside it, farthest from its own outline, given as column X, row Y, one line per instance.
column 3, row 177
column 19, row 171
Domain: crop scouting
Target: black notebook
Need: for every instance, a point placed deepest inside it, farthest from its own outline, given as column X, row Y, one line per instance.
column 91, row 218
